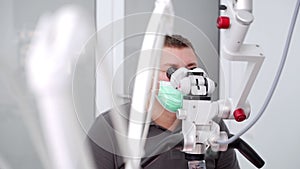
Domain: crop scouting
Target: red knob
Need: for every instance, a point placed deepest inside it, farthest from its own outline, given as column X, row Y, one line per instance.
column 223, row 22
column 239, row 115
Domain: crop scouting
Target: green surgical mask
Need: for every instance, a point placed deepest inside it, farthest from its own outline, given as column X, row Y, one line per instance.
column 168, row 97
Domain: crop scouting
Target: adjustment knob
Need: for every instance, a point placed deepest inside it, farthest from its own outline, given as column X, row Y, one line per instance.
column 223, row 22
column 239, row 115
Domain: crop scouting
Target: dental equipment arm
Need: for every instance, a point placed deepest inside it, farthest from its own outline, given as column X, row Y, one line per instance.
column 238, row 13
column 49, row 68
column 248, row 6
column 234, row 22
column 160, row 24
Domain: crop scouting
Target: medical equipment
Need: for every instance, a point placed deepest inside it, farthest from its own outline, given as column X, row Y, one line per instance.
column 238, row 13
column 278, row 73
column 198, row 127
column 49, row 68
column 245, row 52
column 199, row 115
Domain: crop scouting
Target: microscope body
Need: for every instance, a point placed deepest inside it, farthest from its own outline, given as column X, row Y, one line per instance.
column 199, row 129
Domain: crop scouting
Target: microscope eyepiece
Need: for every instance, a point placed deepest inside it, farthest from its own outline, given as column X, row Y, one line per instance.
column 170, row 71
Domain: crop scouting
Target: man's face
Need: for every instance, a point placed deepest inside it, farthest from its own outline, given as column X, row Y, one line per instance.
column 173, row 57
column 176, row 57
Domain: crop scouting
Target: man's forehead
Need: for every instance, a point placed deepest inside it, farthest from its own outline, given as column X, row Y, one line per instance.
column 178, row 56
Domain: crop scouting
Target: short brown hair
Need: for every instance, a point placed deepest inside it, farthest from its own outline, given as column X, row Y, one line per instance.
column 177, row 41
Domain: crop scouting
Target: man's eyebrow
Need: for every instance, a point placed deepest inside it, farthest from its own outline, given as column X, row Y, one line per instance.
column 194, row 64
column 171, row 65
column 191, row 64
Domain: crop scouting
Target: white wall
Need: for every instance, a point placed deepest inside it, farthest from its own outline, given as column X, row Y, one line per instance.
column 275, row 137
column 109, row 53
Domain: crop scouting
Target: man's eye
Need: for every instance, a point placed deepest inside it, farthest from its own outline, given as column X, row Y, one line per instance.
column 192, row 67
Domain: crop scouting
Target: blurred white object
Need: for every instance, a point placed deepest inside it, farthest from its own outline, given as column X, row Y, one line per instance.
column 160, row 24
column 51, row 60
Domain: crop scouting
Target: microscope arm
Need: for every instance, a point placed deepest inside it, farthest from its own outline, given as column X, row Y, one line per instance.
column 239, row 16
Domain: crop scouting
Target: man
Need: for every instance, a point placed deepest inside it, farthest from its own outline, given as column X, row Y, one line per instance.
column 177, row 52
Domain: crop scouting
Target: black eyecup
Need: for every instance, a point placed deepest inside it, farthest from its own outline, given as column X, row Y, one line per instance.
column 170, row 71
